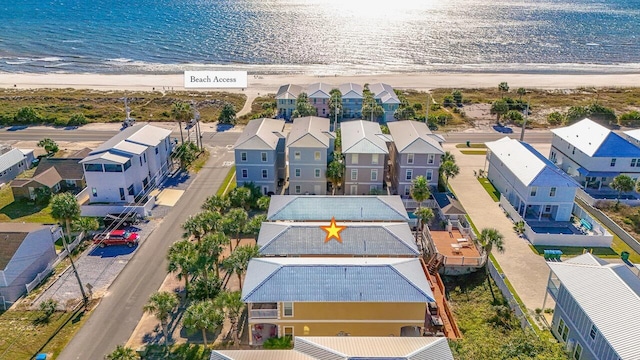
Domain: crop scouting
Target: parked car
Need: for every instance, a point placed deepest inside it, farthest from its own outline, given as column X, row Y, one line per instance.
column 128, row 122
column 116, row 237
column 124, row 220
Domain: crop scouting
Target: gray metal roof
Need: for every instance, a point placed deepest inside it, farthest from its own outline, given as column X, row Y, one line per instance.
column 320, row 90
column 343, row 208
column 260, row 134
column 309, row 132
column 384, row 93
column 259, row 355
column 336, row 280
column 361, row 137
column 10, row 158
column 609, row 294
column 289, row 92
column 414, row 137
column 360, row 239
column 354, row 89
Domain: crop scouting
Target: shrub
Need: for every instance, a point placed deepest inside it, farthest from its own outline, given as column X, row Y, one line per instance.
column 77, row 120
column 417, row 106
column 278, row 343
column 448, row 101
column 631, row 118
column 555, row 118
column 27, row 115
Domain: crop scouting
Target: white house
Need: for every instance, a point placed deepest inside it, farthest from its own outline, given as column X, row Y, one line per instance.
column 13, row 162
column 597, row 308
column 593, row 155
column 533, row 185
column 128, row 164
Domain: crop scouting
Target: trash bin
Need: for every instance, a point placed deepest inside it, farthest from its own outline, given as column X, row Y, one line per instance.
column 468, row 143
column 624, row 255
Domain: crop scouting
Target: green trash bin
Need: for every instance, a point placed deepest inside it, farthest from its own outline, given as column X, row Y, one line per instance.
column 624, row 255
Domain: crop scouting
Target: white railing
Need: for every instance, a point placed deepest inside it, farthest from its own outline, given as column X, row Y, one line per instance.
column 39, row 278
column 410, row 204
column 263, row 313
column 511, row 299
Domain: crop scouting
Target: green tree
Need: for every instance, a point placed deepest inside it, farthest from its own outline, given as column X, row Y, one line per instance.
column 182, row 260
column 515, row 117
column 487, row 240
column 231, row 302
column 335, row 174
column 238, row 261
column 49, row 146
column 420, row 190
column 503, row 87
column 254, row 225
column 234, row 223
column 450, row 170
column 335, row 105
column 227, row 114
column 278, row 343
column 122, row 353
column 622, row 183
column 521, row 92
column 499, row 108
column 181, row 111
column 204, row 316
column 210, row 250
column 602, row 114
column 186, row 153
column 424, row 215
column 576, row 113
column 303, row 107
column 404, row 113
column 519, row 227
column 85, row 224
column 555, row 118
column 447, row 101
column 457, row 97
column 631, row 118
column 48, row 308
column 217, row 203
column 161, row 305
column 77, row 120
column 27, row 115
column 263, row 203
column 43, row 195
column 241, row 197
column 371, row 110
column 448, row 156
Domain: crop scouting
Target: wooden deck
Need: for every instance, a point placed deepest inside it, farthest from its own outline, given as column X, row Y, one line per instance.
column 449, row 328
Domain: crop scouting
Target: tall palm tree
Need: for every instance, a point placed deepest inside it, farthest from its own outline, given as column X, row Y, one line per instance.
column 85, row 224
column 449, row 170
column 233, row 306
column 209, row 251
column 254, row 225
column 448, row 156
column 335, row 106
column 263, row 203
column 181, row 111
column 622, row 183
column 335, row 174
column 200, row 224
column 420, row 190
column 182, row 259
column 488, row 239
column 204, row 316
column 234, row 223
column 238, row 261
column 424, row 214
column 241, row 197
column 217, row 203
column 161, row 305
column 122, row 353
column 65, row 209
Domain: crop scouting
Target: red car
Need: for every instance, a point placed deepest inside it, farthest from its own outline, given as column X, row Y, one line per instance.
column 117, row 237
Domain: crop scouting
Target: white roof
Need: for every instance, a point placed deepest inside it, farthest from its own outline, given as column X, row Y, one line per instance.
column 609, row 294
column 149, row 135
column 106, row 156
column 362, row 137
column 586, row 135
column 130, row 147
column 319, row 90
column 634, row 134
column 414, row 137
column 289, row 92
column 260, row 134
column 384, row 93
column 10, row 158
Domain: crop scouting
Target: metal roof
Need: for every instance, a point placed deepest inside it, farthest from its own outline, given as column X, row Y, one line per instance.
column 343, row 208
column 596, row 140
column 361, row 137
column 355, row 89
column 414, row 137
column 106, row 156
column 609, row 294
column 309, row 132
column 384, row 93
column 319, row 90
column 259, row 355
column 143, row 134
column 289, row 92
column 528, row 165
column 360, row 239
column 336, row 280
column 130, row 147
column 10, row 158
column 260, row 134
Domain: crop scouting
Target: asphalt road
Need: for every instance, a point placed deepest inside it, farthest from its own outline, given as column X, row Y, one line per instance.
column 117, row 315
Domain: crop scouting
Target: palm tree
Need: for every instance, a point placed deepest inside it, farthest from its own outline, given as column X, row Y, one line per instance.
column 263, row 203
column 622, row 183
column 241, row 197
column 254, row 225
column 521, row 92
column 519, row 227
column 161, row 305
column 238, row 260
column 424, row 215
column 182, row 259
column 209, row 251
column 335, row 173
column 420, row 190
column 122, row 353
column 488, row 239
column 181, row 111
column 448, row 156
column 85, row 224
column 335, row 106
column 450, row 170
column 233, row 306
column 217, row 203
column 200, row 224
column 204, row 316
column 234, row 223
column 65, row 209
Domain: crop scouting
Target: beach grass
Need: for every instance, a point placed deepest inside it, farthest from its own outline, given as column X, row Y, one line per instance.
column 258, row 108
column 228, row 183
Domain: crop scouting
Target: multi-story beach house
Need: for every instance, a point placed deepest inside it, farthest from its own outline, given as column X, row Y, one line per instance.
column 387, row 98
column 351, row 100
column 365, row 151
column 596, row 308
column 286, row 100
column 319, row 97
column 415, row 151
column 260, row 154
column 531, row 183
column 13, row 162
column 128, row 164
column 309, row 146
column 593, row 155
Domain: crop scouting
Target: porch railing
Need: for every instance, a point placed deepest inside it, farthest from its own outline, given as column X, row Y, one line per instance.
column 263, row 313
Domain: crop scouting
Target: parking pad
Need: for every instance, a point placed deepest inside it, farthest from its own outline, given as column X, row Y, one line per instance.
column 169, row 197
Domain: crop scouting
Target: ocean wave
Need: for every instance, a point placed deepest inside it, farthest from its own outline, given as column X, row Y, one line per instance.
column 119, row 60
column 72, row 41
column 49, row 59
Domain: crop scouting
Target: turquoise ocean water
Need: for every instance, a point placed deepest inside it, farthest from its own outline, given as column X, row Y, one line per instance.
column 319, row 36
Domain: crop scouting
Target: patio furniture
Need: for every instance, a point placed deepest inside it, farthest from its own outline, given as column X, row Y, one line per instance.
column 456, row 248
column 586, row 224
column 552, row 254
column 433, row 308
column 436, row 321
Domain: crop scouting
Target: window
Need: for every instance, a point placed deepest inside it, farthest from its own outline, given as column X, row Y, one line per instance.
column 563, row 330
column 409, row 174
column 297, row 172
column 243, row 156
column 288, row 331
column 316, row 173
column 429, row 175
column 145, row 183
column 93, row 167
column 410, row 158
column 122, row 194
column 94, row 192
column 375, row 159
column 297, row 189
column 316, row 155
column 407, row 190
column 140, row 158
column 297, row 155
column 534, row 191
column 130, row 190
column 593, row 332
column 354, row 158
column 144, row 156
column 263, row 156
column 431, row 159
column 265, row 173
column 354, row 174
column 613, row 162
column 552, row 192
column 156, row 151
column 112, row 168
column 127, row 165
column 245, row 173
column 578, row 352
column 374, row 174
column 547, row 209
column 287, row 309
column 633, row 162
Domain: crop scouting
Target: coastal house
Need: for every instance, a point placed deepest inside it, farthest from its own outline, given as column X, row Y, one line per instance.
column 351, row 100
column 319, row 97
column 286, row 100
column 633, row 136
column 309, row 146
column 25, row 250
column 593, row 155
column 596, row 308
column 128, row 165
column 260, row 154
column 332, row 296
column 386, row 97
column 365, row 157
column 13, row 162
column 54, row 174
column 348, row 348
column 415, row 151
column 531, row 183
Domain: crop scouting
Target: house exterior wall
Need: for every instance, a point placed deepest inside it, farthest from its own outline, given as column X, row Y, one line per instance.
column 321, row 103
column 16, row 169
column 307, row 181
column 253, row 168
column 158, row 159
column 423, row 164
column 389, row 111
column 286, row 107
column 362, row 183
column 351, row 105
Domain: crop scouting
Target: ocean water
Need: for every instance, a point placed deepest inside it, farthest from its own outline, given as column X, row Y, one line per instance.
column 320, row 36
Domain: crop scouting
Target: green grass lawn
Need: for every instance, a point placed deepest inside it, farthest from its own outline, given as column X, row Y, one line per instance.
column 474, row 152
column 472, row 145
column 228, row 184
column 486, row 184
column 619, row 246
column 22, row 211
column 603, row 252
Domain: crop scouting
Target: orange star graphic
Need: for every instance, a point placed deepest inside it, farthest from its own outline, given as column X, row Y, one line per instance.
column 333, row 231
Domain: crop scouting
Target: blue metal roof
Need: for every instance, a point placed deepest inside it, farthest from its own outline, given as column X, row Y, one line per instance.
column 616, row 146
column 343, row 208
column 585, row 172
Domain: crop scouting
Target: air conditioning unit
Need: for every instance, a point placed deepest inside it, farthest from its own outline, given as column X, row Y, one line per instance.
column 571, row 345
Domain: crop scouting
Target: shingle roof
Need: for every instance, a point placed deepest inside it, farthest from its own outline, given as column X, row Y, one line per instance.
column 362, row 137
column 448, row 204
column 343, row 208
column 49, row 177
column 289, row 92
column 384, row 93
column 11, row 237
column 414, row 137
column 260, row 134
column 592, row 284
column 351, row 87
column 309, row 131
column 10, row 158
column 319, row 90
column 68, row 168
column 360, row 239
column 528, row 165
column 595, row 140
column 336, row 280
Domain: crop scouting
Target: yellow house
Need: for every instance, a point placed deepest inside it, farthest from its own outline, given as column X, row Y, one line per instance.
column 335, row 296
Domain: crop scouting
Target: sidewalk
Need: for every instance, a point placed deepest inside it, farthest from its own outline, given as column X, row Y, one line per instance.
column 527, row 272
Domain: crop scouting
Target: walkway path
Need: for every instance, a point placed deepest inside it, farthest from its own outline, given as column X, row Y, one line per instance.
column 527, row 272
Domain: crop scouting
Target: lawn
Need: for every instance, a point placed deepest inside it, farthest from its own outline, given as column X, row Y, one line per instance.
column 228, row 184
column 473, row 146
column 197, row 165
column 603, row 252
column 474, row 152
column 486, row 184
column 22, row 210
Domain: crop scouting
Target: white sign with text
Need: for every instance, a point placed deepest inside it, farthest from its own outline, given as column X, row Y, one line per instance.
column 215, row 79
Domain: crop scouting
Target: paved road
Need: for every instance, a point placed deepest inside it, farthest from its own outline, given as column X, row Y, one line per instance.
column 116, row 317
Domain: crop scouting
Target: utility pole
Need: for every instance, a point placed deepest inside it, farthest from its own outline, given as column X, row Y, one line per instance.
column 524, row 123
column 85, row 299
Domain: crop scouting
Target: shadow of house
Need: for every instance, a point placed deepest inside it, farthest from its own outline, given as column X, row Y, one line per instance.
column 55, row 174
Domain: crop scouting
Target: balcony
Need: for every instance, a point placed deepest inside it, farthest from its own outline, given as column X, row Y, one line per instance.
column 263, row 311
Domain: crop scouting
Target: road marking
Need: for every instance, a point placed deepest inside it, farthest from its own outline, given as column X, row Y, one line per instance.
column 227, row 164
